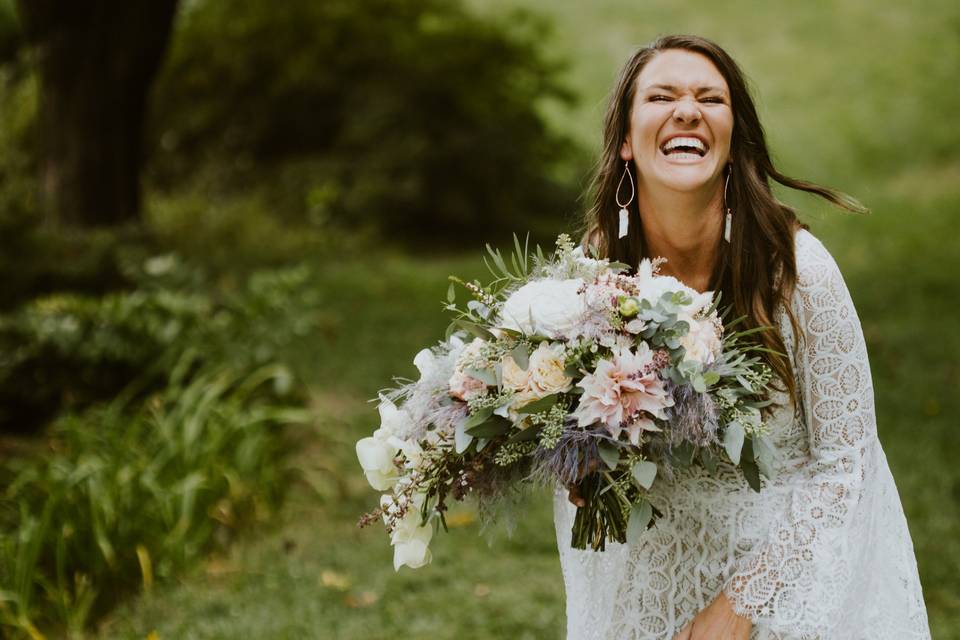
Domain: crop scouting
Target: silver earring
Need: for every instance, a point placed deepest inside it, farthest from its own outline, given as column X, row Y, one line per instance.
column 624, row 213
column 726, row 227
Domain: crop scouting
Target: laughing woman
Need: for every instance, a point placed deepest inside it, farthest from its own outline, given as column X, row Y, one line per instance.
column 823, row 551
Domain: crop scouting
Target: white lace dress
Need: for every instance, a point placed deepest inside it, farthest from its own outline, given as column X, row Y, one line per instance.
column 823, row 552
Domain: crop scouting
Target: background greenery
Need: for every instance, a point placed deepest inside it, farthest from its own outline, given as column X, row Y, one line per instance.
column 313, row 175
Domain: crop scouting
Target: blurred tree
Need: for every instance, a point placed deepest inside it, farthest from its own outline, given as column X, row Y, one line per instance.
column 96, row 61
column 413, row 117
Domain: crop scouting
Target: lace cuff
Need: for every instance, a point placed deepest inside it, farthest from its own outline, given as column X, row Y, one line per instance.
column 795, row 580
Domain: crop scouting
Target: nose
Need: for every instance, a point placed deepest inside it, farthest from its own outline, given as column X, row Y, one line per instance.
column 686, row 111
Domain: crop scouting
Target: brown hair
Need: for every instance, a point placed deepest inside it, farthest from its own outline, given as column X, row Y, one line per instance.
column 757, row 269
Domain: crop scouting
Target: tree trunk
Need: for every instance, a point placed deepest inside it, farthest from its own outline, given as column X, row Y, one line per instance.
column 95, row 61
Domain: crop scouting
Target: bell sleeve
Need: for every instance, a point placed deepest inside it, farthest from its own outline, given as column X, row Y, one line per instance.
column 795, row 579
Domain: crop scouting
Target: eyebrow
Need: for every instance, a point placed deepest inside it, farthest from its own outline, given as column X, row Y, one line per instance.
column 697, row 90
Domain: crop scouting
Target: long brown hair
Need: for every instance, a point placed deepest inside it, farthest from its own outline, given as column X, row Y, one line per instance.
column 757, row 269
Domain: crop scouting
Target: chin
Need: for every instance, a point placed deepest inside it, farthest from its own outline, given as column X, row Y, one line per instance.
column 690, row 177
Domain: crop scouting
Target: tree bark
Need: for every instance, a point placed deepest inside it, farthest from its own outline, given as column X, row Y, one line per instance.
column 96, row 61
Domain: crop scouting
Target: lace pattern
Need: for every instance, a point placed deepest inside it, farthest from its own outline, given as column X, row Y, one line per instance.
column 823, row 552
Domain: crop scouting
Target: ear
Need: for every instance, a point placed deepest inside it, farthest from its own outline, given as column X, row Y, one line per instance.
column 626, row 151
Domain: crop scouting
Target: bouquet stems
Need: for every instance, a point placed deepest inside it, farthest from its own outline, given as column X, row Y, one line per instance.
column 603, row 515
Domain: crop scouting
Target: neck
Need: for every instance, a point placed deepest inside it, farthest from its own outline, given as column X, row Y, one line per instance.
column 685, row 228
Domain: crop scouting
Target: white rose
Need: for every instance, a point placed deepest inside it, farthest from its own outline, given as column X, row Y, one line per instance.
column 551, row 308
column 546, row 369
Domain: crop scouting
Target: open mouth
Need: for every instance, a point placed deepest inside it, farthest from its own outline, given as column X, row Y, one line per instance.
column 682, row 148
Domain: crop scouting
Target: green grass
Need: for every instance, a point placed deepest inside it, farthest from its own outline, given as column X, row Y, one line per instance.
column 857, row 95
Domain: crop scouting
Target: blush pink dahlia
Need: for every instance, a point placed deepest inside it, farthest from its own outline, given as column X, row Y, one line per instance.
column 623, row 392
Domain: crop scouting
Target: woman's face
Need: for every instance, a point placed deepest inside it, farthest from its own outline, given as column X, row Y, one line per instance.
column 679, row 94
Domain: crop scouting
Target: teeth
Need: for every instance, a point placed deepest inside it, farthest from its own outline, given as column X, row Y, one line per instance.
column 684, row 142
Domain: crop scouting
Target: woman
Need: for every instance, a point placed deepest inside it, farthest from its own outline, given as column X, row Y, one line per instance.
column 824, row 550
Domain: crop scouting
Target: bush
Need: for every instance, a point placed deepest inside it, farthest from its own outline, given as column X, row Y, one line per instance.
column 129, row 493
column 67, row 351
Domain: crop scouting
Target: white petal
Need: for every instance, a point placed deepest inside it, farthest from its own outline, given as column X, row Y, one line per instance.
column 375, row 454
column 424, row 361
column 381, row 481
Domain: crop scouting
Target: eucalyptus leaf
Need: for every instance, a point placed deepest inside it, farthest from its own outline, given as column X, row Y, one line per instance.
column 699, row 385
column 530, row 433
column 451, row 293
column 520, row 356
column 609, row 453
column 479, row 417
column 475, row 329
column 640, row 516
column 540, row 405
column 461, row 439
column 765, row 456
column 749, row 466
column 708, row 459
column 733, row 437
column 493, row 427
column 644, row 472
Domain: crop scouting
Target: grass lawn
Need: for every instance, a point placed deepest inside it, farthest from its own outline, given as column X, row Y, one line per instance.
column 857, row 95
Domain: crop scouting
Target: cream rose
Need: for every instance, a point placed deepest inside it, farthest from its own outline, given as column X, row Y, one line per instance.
column 546, row 370
column 513, row 376
column 701, row 344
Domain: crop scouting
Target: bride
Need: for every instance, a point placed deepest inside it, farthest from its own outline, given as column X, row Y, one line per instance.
column 823, row 551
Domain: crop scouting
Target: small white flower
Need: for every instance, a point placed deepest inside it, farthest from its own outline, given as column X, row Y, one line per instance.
column 410, row 540
column 375, row 454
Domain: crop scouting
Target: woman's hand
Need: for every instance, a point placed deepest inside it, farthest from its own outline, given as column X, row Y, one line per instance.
column 574, row 495
column 717, row 622
column 573, row 490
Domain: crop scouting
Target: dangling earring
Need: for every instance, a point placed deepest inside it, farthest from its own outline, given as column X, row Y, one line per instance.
column 726, row 227
column 624, row 213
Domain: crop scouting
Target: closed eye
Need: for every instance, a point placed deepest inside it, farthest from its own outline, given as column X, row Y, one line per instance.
column 714, row 100
column 658, row 98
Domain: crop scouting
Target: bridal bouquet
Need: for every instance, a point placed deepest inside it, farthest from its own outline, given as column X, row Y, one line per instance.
column 566, row 369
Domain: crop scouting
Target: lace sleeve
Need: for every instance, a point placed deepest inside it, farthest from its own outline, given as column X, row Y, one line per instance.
column 795, row 580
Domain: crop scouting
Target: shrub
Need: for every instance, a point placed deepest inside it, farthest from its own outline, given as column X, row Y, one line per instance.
column 128, row 493
column 66, row 351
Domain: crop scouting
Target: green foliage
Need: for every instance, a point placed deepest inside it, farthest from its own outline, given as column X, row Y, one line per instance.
column 130, row 492
column 10, row 36
column 69, row 350
column 403, row 116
